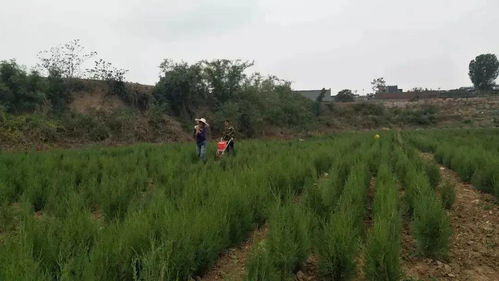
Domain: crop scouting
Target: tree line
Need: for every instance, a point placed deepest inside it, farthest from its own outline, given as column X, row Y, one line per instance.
column 217, row 89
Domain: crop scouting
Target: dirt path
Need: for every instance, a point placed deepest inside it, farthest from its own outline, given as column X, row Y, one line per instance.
column 231, row 264
column 474, row 249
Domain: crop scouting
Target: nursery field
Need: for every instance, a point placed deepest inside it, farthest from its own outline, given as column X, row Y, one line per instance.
column 336, row 208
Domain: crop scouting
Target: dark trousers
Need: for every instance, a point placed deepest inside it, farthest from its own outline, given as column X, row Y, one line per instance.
column 230, row 148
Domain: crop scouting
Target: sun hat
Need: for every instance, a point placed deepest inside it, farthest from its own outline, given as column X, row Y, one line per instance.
column 201, row 120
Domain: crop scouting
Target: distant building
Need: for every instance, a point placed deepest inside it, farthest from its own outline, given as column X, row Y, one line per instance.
column 314, row 94
column 361, row 98
column 467, row 89
column 392, row 89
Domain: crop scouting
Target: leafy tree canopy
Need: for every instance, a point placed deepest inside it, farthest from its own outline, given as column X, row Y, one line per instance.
column 483, row 70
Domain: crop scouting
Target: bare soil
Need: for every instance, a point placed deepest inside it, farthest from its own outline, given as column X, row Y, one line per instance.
column 96, row 100
column 231, row 264
column 474, row 248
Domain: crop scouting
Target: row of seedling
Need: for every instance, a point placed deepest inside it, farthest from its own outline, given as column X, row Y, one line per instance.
column 473, row 155
column 430, row 222
column 132, row 214
column 325, row 222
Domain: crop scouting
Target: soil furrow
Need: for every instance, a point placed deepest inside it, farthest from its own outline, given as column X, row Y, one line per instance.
column 474, row 248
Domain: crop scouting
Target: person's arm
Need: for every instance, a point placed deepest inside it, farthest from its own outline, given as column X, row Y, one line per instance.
column 232, row 133
column 224, row 135
column 195, row 131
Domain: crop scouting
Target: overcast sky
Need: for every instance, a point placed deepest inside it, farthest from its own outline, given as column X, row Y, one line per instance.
column 314, row 43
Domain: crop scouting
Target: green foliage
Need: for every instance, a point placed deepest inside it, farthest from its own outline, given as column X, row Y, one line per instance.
column 472, row 154
column 260, row 266
column 115, row 80
column 20, row 91
column 366, row 108
column 378, row 85
column 483, row 70
column 286, row 246
column 345, row 95
column 447, row 194
column 57, row 92
column 382, row 256
column 432, row 229
column 18, row 129
column 339, row 247
column 338, row 242
column 433, row 172
column 383, row 250
column 150, row 212
column 424, row 116
column 318, row 102
column 221, row 90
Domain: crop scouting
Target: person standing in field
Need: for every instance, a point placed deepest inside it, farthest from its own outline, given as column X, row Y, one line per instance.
column 228, row 136
column 201, row 136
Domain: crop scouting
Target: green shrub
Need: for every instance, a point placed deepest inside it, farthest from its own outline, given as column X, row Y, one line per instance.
column 338, row 248
column 8, row 218
column 259, row 265
column 433, row 172
column 288, row 240
column 447, row 195
column 20, row 91
column 382, row 257
column 432, row 229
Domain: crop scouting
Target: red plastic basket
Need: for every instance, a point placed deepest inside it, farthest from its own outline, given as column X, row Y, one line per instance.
column 221, row 145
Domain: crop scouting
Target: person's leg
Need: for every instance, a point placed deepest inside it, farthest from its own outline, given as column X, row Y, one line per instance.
column 203, row 151
column 231, row 146
column 198, row 150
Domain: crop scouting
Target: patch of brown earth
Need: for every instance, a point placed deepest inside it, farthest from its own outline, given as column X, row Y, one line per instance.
column 97, row 214
column 474, row 247
column 96, row 100
column 310, row 270
column 231, row 264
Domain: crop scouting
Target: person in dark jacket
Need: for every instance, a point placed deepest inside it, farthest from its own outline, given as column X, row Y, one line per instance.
column 229, row 135
column 201, row 136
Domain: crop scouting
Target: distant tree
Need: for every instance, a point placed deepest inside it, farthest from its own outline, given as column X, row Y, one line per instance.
column 224, row 78
column 114, row 77
column 104, row 70
column 57, row 92
column 378, row 85
column 483, row 70
column 67, row 59
column 318, row 102
column 20, row 91
column 181, row 88
column 345, row 95
column 417, row 90
column 221, row 90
